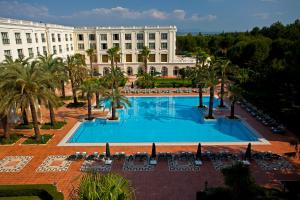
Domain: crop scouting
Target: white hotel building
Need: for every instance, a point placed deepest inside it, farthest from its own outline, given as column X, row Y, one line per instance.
column 27, row 38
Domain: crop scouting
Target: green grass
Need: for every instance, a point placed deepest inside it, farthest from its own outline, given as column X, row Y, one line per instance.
column 30, row 192
column 24, row 126
column 77, row 105
column 13, row 138
column 71, row 98
column 171, row 82
column 32, row 140
column 57, row 125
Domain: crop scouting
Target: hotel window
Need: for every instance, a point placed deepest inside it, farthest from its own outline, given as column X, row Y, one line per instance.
column 164, row 45
column 164, row 36
column 80, row 37
column 30, row 52
column 38, row 51
column 151, row 45
column 92, row 37
column 128, row 46
column 105, row 58
column 92, row 45
column 151, row 36
column 151, row 58
column 81, row 46
column 36, row 38
column 60, row 49
column 44, row 50
column 18, row 38
column 140, row 45
column 116, row 44
column 5, row 39
column 58, row 37
column 7, row 53
column 20, row 53
column 103, row 37
column 71, row 47
column 139, row 36
column 115, row 36
column 28, row 38
column 140, row 58
column 128, row 58
column 164, row 58
column 71, row 38
column 66, row 37
column 103, row 46
column 53, row 37
column 54, row 50
column 43, row 37
column 94, row 58
column 127, row 36
column 67, row 47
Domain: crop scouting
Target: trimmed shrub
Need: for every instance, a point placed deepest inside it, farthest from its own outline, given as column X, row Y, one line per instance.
column 13, row 138
column 57, row 125
column 44, row 140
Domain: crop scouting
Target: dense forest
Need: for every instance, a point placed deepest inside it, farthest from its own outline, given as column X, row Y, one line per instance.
column 272, row 55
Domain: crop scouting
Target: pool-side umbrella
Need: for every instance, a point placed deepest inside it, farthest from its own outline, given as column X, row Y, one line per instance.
column 107, row 152
column 132, row 85
column 199, row 154
column 153, row 153
column 248, row 152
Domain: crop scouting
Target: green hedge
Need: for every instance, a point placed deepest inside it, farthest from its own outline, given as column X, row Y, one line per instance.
column 57, row 125
column 171, row 82
column 43, row 191
column 13, row 138
column 24, row 126
column 32, row 140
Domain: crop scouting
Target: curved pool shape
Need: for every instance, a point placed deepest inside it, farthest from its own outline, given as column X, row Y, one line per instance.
column 163, row 120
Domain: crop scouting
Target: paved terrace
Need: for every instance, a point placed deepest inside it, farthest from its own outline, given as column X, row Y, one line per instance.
column 157, row 184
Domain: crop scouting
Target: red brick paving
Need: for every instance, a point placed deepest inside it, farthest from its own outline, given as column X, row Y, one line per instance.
column 157, row 184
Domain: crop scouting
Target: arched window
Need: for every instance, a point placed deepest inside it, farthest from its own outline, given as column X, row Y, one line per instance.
column 164, row 71
column 140, row 70
column 105, row 71
column 129, row 71
column 152, row 71
column 176, row 71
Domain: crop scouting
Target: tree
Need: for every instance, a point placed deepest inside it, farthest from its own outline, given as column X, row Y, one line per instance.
column 145, row 55
column 55, row 68
column 94, row 186
column 91, row 53
column 116, row 100
column 75, row 65
column 26, row 86
column 211, row 82
column 90, row 87
column 223, row 70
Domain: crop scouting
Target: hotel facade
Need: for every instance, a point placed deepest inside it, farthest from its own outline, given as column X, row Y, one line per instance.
column 21, row 38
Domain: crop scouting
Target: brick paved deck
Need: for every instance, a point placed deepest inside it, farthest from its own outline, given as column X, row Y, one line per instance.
column 157, row 184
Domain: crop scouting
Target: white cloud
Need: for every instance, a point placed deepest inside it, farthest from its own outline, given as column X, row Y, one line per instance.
column 261, row 15
column 179, row 14
column 10, row 8
column 197, row 17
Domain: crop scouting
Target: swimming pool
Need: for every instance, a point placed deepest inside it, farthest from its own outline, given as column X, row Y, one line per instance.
column 164, row 119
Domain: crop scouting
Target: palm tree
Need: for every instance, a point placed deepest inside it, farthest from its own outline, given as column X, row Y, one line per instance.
column 89, row 86
column 211, row 82
column 109, row 186
column 91, row 53
column 26, row 86
column 116, row 100
column 223, row 70
column 54, row 67
column 75, row 65
column 113, row 55
column 145, row 55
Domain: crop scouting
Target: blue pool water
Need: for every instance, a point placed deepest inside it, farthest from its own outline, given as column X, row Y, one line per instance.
column 163, row 119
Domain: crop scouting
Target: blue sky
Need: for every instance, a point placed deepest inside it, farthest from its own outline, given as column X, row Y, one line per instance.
column 187, row 15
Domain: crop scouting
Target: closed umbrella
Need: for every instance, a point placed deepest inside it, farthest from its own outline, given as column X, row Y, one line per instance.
column 107, row 150
column 248, row 152
column 199, row 154
column 153, row 153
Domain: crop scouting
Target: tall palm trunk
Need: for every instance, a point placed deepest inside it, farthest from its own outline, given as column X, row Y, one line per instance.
column 75, row 100
column 4, row 122
column 145, row 66
column 97, row 99
column 113, row 111
column 222, row 94
column 34, row 120
column 200, row 97
column 211, row 102
column 89, row 98
column 52, row 114
column 24, row 116
column 232, row 109
column 91, row 64
column 63, row 92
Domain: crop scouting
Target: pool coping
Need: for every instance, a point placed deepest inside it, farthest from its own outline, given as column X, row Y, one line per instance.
column 260, row 139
